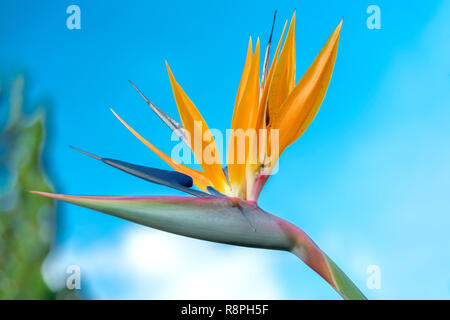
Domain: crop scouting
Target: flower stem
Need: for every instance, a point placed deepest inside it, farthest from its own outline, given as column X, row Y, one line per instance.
column 344, row 285
column 306, row 249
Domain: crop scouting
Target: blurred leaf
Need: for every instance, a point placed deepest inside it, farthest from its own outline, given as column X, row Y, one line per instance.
column 27, row 224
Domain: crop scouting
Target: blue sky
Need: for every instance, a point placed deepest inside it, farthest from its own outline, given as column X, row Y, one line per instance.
column 368, row 181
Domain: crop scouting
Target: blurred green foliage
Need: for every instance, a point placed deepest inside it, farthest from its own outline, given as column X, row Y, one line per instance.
column 27, row 222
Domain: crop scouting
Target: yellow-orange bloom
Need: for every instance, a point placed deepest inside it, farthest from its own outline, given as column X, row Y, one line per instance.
column 273, row 102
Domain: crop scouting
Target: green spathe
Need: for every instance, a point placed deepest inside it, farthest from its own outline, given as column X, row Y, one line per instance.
column 224, row 220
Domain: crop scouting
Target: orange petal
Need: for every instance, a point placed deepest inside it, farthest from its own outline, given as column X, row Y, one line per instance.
column 195, row 125
column 263, row 100
column 244, row 118
column 283, row 78
column 262, row 113
column 303, row 103
column 245, row 73
column 199, row 178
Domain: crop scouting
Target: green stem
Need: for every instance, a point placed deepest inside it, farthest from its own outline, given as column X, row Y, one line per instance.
column 306, row 249
column 345, row 286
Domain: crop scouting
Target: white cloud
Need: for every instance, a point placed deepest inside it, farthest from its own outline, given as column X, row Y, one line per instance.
column 147, row 264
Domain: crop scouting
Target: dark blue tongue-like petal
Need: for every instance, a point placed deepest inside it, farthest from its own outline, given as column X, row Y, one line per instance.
column 151, row 174
column 172, row 179
column 214, row 192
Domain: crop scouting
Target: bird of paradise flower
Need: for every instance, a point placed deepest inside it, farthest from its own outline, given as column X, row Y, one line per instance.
column 225, row 209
